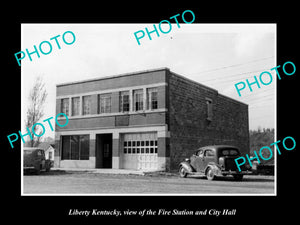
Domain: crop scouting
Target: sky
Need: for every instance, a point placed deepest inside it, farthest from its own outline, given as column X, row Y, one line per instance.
column 216, row 55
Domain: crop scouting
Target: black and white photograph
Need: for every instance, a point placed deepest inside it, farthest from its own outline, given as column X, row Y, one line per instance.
column 163, row 117
column 151, row 116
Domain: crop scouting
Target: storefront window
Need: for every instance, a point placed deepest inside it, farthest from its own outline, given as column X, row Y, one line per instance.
column 75, row 147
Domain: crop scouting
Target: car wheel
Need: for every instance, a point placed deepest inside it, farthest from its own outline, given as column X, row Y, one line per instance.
column 37, row 171
column 210, row 174
column 238, row 177
column 182, row 172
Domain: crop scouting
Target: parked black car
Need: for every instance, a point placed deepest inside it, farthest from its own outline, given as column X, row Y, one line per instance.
column 34, row 159
column 213, row 161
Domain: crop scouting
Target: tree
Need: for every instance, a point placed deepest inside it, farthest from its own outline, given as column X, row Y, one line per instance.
column 259, row 129
column 35, row 111
column 259, row 139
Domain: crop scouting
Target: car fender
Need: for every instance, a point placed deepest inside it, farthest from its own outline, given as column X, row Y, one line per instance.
column 187, row 166
column 216, row 169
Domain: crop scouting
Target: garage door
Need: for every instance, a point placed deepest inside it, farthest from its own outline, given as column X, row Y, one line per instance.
column 140, row 151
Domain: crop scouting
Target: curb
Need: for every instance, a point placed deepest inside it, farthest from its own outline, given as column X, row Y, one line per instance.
column 100, row 171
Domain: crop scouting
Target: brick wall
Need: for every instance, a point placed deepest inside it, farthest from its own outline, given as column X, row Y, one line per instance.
column 188, row 123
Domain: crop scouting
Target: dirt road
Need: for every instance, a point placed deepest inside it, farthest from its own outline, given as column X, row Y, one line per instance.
column 90, row 183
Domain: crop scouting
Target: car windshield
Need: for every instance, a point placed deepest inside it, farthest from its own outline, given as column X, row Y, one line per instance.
column 231, row 152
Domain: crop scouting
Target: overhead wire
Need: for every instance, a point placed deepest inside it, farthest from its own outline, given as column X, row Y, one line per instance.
column 235, row 65
column 251, row 97
column 234, row 75
column 265, row 99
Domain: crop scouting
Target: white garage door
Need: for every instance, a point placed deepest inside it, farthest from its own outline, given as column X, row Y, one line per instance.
column 140, row 151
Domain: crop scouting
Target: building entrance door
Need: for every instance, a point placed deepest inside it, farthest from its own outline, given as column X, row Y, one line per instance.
column 104, row 151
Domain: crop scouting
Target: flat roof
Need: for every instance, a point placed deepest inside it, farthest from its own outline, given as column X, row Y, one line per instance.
column 192, row 81
column 232, row 99
column 113, row 76
column 207, row 87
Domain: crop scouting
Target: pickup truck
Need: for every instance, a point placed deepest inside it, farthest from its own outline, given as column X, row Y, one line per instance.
column 34, row 159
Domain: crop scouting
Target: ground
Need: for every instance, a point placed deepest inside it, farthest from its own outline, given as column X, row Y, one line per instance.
column 62, row 182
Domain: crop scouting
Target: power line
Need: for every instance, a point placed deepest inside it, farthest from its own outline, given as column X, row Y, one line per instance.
column 262, row 90
column 262, row 98
column 265, row 105
column 262, row 101
column 260, row 116
column 248, row 97
column 235, row 75
column 259, row 92
column 235, row 65
column 234, row 81
column 257, row 100
column 263, row 112
column 226, row 82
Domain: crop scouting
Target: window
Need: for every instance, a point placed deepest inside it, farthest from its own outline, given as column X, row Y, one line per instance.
column 209, row 153
column 124, row 101
column 86, row 105
column 209, row 109
column 152, row 98
column 104, row 103
column 140, row 143
column 199, row 153
column 84, row 147
column 65, row 106
column 66, row 148
column 231, row 152
column 50, row 156
column 75, row 147
column 75, row 106
column 138, row 100
column 74, row 140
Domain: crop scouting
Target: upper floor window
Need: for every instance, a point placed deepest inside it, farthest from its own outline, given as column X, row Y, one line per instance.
column 152, row 98
column 65, row 106
column 104, row 101
column 209, row 109
column 124, row 101
column 75, row 106
column 138, row 100
column 86, row 105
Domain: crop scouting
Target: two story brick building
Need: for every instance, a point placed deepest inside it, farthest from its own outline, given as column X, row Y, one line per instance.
column 147, row 120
